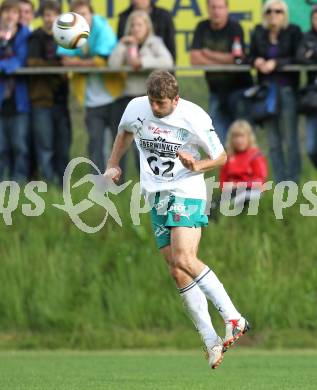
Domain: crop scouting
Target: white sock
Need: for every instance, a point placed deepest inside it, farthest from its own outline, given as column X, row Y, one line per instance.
column 196, row 305
column 211, row 286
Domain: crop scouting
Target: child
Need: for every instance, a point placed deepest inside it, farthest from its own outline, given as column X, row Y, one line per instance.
column 246, row 167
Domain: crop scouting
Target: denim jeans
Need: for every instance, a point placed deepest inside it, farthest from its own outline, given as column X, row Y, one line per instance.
column 282, row 132
column 224, row 108
column 119, row 107
column 97, row 119
column 51, row 130
column 311, row 138
column 14, row 147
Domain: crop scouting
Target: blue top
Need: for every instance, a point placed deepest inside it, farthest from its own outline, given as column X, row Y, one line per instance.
column 101, row 41
column 281, row 79
column 9, row 64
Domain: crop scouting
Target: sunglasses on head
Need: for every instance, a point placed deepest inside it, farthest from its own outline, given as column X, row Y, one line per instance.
column 274, row 11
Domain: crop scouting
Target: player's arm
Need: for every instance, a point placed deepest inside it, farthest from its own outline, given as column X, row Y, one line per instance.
column 205, row 165
column 208, row 140
column 121, row 145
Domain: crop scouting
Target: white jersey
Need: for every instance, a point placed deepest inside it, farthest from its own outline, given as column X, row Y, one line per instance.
column 187, row 128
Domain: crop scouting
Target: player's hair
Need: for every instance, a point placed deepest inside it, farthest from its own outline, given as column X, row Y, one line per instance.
column 161, row 84
column 240, row 127
column 9, row 4
column 29, row 2
column 81, row 3
column 50, row 5
column 139, row 14
column 267, row 6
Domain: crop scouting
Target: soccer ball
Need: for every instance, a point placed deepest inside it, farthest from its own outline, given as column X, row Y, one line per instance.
column 71, row 30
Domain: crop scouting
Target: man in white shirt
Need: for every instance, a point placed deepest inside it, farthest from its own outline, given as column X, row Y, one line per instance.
column 169, row 133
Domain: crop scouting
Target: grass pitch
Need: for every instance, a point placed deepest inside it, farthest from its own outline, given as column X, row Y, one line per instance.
column 136, row 370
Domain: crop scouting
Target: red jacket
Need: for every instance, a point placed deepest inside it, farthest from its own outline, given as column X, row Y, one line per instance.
column 249, row 166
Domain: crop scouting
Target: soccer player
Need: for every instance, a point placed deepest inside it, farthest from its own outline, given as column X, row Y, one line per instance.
column 169, row 131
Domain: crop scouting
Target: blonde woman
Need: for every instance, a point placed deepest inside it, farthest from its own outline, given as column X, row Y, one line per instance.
column 141, row 49
column 246, row 167
column 274, row 44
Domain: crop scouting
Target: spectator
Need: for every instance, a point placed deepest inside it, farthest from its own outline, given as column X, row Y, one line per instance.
column 140, row 49
column 26, row 18
column 274, row 44
column 307, row 54
column 14, row 100
column 49, row 96
column 26, row 13
column 95, row 91
column 246, row 168
column 213, row 44
column 162, row 22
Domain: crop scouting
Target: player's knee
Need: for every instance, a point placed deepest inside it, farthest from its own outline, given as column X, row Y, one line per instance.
column 177, row 274
column 184, row 261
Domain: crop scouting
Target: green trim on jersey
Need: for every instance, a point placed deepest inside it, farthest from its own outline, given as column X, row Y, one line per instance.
column 174, row 211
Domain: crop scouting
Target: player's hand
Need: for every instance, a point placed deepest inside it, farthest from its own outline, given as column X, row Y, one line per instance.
column 114, row 173
column 188, row 161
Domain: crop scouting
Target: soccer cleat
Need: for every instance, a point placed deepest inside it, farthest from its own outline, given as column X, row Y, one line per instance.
column 234, row 330
column 214, row 354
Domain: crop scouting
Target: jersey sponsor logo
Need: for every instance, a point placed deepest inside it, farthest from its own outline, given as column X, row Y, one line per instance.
column 157, row 130
column 176, row 217
column 160, row 230
column 180, row 211
column 141, row 120
column 182, row 135
column 178, row 208
column 160, row 147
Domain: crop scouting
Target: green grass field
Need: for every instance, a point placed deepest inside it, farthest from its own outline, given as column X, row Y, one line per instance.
column 63, row 289
column 242, row 369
